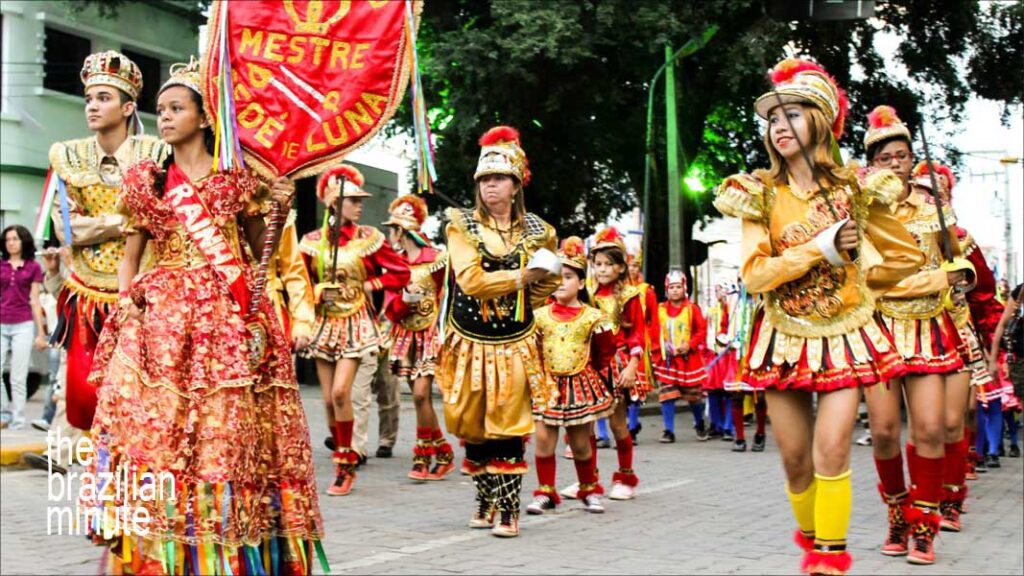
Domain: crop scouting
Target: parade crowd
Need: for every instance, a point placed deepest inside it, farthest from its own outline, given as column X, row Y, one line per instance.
column 172, row 353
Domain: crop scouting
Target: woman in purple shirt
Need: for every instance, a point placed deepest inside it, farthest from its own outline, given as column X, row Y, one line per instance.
column 21, row 278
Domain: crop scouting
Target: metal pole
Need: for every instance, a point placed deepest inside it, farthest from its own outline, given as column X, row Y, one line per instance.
column 1011, row 264
column 675, row 226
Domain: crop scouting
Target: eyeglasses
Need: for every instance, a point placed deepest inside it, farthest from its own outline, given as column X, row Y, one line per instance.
column 887, row 158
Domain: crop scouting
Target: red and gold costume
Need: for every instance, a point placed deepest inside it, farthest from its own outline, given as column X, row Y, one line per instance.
column 681, row 375
column 414, row 340
column 346, row 325
column 817, row 331
column 491, row 369
column 288, row 285
column 93, row 182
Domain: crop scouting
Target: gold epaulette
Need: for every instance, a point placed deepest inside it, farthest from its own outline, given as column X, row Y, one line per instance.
column 882, row 186
column 77, row 161
column 367, row 241
column 742, row 196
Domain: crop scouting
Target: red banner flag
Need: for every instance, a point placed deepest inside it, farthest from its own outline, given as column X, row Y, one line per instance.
column 313, row 79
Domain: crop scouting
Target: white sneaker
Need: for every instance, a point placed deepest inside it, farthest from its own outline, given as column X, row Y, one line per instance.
column 41, row 424
column 571, row 491
column 622, row 492
column 864, row 440
column 540, row 504
column 592, row 504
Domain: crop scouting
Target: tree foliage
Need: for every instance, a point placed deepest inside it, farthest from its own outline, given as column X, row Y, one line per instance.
column 572, row 76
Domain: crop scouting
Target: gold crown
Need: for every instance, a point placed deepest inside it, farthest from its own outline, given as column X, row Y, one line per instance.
column 186, row 75
column 314, row 10
column 112, row 68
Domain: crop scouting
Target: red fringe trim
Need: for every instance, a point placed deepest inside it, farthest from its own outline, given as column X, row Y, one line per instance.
column 588, row 489
column 806, row 543
column 422, row 450
column 472, row 467
column 550, row 492
column 917, row 517
column 822, row 563
column 347, row 457
column 955, row 494
column 627, row 478
column 496, row 466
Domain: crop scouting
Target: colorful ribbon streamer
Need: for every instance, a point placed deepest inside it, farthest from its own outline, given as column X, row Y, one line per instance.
column 426, row 174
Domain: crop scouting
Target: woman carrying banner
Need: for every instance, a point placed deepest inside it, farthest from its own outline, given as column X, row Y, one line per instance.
column 816, row 333
column 414, row 341
column 189, row 404
column 348, row 263
column 491, row 371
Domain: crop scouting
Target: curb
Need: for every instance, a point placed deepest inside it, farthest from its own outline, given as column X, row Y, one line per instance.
column 11, row 455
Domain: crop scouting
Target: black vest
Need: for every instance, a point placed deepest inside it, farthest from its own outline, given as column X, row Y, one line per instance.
column 466, row 312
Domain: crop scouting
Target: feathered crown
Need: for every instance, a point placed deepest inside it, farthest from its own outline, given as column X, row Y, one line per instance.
column 407, row 212
column 353, row 181
column 185, row 74
column 803, row 81
column 922, row 178
column 501, row 153
column 573, row 253
column 608, row 238
column 112, row 68
column 883, row 124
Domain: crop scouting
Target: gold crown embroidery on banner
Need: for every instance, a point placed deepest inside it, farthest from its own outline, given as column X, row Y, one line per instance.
column 314, row 11
column 112, row 68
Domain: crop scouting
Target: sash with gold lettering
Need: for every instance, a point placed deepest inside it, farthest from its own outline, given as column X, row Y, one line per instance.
column 195, row 218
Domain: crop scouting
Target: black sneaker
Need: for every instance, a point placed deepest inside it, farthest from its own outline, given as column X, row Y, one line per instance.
column 992, row 461
column 1002, row 450
column 329, row 442
column 980, row 467
column 384, row 452
column 727, row 436
column 1014, row 451
column 668, row 437
column 758, row 443
column 43, row 462
column 714, row 433
column 739, row 446
column 603, row 443
column 362, row 460
column 702, row 432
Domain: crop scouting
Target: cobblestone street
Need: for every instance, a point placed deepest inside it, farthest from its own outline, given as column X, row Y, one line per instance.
column 701, row 509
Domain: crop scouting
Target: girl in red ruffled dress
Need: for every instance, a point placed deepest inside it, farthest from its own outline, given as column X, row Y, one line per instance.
column 190, row 403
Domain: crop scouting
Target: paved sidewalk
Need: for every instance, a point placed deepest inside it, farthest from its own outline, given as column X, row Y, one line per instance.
column 701, row 509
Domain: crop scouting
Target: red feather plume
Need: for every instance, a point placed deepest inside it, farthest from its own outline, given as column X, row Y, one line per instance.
column 882, row 117
column 940, row 170
column 351, row 173
column 500, row 134
column 572, row 247
column 784, row 72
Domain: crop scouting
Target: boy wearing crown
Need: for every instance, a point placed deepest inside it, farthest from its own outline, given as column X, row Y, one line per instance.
column 679, row 368
column 91, row 170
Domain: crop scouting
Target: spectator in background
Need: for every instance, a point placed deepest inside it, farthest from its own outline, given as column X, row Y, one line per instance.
column 21, row 279
column 53, row 279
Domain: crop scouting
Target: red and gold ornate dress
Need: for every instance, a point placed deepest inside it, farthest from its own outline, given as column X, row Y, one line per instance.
column 345, row 326
column 414, row 341
column 632, row 312
column 924, row 332
column 681, row 375
column 179, row 400
column 817, row 330
column 575, row 340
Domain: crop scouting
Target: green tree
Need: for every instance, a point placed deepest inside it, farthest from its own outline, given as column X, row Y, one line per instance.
column 572, row 77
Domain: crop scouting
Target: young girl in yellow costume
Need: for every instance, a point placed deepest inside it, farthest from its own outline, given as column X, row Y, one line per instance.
column 183, row 401
column 577, row 337
column 632, row 310
column 413, row 316
column 492, row 371
column 816, row 333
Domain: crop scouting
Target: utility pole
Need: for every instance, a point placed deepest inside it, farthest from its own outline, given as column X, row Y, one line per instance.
column 676, row 254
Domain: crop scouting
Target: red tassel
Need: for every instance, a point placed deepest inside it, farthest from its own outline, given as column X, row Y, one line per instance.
column 550, row 492
column 627, row 478
column 823, row 563
column 806, row 543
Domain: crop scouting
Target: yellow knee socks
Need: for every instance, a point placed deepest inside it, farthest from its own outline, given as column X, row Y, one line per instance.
column 803, row 508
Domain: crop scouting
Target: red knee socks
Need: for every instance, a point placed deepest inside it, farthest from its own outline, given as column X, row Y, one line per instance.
column 926, row 476
column 343, row 434
column 545, row 470
column 890, row 473
column 954, row 467
column 761, row 415
column 624, row 446
column 737, row 418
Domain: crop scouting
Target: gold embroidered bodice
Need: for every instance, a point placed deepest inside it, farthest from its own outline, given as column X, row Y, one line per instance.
column 567, row 343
